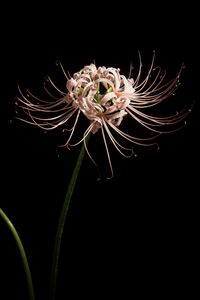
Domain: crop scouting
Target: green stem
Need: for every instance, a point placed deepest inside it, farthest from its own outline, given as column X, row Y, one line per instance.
column 22, row 252
column 61, row 222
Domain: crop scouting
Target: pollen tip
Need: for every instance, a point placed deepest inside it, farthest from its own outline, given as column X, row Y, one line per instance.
column 109, row 178
column 99, row 178
column 58, row 154
column 57, row 62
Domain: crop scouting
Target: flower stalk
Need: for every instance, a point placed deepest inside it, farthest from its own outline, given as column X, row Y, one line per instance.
column 22, row 253
column 61, row 222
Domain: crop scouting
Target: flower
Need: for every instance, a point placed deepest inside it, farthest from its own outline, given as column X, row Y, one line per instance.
column 106, row 98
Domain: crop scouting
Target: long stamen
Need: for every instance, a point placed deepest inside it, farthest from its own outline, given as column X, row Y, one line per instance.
column 105, row 97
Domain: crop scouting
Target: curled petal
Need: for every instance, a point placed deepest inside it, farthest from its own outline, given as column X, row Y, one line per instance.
column 106, row 98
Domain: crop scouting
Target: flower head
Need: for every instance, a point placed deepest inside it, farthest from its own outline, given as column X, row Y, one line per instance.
column 106, row 98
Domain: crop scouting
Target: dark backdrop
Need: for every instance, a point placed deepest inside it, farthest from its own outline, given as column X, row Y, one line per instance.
column 134, row 236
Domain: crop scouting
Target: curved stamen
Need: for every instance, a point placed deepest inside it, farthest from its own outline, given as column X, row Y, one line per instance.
column 105, row 97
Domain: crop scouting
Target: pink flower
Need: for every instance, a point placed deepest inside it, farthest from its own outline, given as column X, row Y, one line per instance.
column 106, row 98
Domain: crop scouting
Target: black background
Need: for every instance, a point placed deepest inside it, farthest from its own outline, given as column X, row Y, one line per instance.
column 135, row 236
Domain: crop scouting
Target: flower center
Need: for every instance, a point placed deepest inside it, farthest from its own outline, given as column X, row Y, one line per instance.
column 100, row 93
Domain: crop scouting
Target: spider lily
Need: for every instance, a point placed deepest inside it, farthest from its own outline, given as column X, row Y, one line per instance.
column 106, row 98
